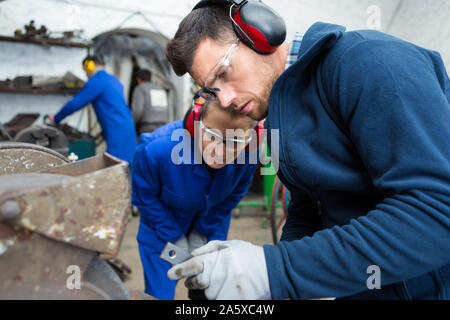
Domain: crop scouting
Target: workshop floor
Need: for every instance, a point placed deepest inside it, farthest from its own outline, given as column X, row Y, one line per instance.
column 249, row 227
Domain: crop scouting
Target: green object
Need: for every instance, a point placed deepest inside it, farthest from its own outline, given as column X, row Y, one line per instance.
column 83, row 148
column 267, row 186
column 269, row 180
column 251, row 204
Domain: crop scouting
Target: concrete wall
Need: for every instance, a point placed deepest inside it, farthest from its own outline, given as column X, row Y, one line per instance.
column 424, row 22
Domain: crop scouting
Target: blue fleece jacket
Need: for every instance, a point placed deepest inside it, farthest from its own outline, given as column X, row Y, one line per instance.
column 364, row 122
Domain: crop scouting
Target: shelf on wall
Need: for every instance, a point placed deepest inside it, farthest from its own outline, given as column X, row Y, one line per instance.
column 38, row 91
column 45, row 41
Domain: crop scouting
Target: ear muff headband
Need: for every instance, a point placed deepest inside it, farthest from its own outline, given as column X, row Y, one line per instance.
column 193, row 114
column 256, row 24
column 89, row 65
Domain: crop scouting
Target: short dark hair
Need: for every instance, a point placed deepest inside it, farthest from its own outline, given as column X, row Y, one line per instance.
column 97, row 59
column 144, row 75
column 208, row 22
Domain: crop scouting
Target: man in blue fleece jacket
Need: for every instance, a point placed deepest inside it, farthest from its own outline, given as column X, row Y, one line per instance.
column 364, row 126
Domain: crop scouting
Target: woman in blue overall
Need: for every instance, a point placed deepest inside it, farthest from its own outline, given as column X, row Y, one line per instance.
column 183, row 200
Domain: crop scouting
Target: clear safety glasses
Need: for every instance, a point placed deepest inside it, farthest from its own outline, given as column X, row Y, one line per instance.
column 231, row 144
column 220, row 74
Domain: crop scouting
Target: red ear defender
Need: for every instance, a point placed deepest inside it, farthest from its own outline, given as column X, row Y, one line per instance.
column 192, row 115
column 259, row 133
column 255, row 23
column 259, row 27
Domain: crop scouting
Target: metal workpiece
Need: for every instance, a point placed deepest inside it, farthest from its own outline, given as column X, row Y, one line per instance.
column 59, row 218
column 86, row 203
column 174, row 254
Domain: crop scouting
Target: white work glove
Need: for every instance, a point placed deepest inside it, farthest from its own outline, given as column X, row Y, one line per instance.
column 182, row 243
column 227, row 270
column 196, row 240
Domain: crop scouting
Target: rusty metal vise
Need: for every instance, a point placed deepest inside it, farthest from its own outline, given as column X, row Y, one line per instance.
column 59, row 218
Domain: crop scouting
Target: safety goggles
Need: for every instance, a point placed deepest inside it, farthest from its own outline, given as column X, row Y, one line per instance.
column 220, row 74
column 231, row 144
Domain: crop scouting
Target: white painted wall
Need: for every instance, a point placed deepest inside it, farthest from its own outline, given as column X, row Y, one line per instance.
column 29, row 59
column 424, row 22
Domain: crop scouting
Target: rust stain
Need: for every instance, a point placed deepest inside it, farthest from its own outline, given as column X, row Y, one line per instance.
column 58, row 234
column 43, row 194
column 62, row 214
column 24, row 235
column 99, row 214
column 17, row 278
column 6, row 231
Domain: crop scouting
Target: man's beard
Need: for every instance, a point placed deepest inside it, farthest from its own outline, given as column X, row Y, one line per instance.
column 262, row 110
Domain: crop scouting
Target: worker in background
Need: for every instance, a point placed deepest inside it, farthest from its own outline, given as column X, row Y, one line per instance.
column 189, row 202
column 363, row 121
column 105, row 92
column 149, row 104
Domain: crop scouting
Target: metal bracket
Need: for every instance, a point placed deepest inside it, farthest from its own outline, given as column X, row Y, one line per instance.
column 174, row 254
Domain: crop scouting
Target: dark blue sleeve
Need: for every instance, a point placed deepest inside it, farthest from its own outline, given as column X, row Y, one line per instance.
column 215, row 222
column 303, row 218
column 87, row 94
column 146, row 187
column 392, row 98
